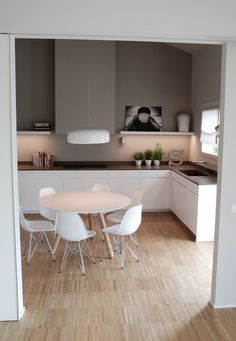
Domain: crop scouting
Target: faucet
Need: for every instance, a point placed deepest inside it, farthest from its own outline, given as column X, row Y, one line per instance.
column 201, row 161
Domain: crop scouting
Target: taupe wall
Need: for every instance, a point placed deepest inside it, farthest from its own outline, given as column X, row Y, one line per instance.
column 153, row 74
column 146, row 74
column 206, row 77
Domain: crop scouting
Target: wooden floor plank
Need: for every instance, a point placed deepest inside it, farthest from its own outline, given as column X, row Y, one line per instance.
column 165, row 296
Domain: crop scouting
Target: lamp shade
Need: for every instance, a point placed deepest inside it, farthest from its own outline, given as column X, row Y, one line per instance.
column 88, row 136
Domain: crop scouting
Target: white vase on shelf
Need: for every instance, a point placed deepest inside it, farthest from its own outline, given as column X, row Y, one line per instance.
column 156, row 162
column 138, row 162
column 148, row 163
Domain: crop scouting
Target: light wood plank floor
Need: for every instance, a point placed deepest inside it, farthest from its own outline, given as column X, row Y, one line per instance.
column 163, row 297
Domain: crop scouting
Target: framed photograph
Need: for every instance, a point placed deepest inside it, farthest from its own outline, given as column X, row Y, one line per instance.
column 143, row 118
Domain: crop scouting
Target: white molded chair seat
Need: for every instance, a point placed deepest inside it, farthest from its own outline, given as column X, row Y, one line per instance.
column 39, row 227
column 128, row 226
column 47, row 212
column 70, row 227
column 116, row 217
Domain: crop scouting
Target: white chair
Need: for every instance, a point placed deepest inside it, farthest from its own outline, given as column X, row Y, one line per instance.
column 70, row 227
column 100, row 188
column 116, row 217
column 37, row 230
column 128, row 226
column 47, row 212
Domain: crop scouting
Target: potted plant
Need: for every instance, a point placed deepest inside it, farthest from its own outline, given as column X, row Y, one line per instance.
column 158, row 154
column 148, row 154
column 138, row 157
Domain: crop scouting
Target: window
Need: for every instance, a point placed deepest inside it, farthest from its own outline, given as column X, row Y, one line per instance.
column 209, row 130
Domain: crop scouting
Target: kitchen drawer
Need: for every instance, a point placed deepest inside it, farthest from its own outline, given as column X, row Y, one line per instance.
column 123, row 174
column 85, row 174
column 155, row 173
column 185, row 182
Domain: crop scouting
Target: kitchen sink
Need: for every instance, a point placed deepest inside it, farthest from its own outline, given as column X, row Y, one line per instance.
column 192, row 172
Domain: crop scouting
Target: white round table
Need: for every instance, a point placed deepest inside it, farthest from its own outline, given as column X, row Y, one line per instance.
column 89, row 202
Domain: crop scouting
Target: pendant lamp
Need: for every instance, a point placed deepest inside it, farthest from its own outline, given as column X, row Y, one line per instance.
column 88, row 136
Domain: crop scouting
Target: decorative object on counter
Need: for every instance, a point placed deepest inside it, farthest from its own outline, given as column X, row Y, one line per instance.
column 158, row 154
column 43, row 159
column 140, row 118
column 175, row 157
column 122, row 139
column 88, row 136
column 148, row 155
column 138, row 158
column 41, row 126
column 183, row 121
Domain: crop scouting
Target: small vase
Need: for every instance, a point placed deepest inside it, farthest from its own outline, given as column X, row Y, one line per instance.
column 148, row 162
column 138, row 162
column 157, row 162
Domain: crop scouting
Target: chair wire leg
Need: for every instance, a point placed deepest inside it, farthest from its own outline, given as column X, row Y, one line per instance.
column 65, row 254
column 81, row 259
column 90, row 255
column 30, row 251
column 49, row 246
column 134, row 239
column 134, row 253
column 122, row 253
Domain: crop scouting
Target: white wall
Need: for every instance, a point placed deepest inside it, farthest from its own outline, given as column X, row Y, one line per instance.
column 224, row 272
column 11, row 304
column 137, row 19
column 202, row 19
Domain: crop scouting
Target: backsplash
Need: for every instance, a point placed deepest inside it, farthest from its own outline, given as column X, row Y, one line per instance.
column 113, row 151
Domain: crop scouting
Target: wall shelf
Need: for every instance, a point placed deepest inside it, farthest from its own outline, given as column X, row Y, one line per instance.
column 29, row 132
column 160, row 133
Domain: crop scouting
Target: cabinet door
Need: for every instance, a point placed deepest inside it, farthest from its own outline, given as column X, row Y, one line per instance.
column 31, row 182
column 82, row 180
column 124, row 182
column 84, row 85
column 185, row 205
column 71, row 85
column 102, row 55
column 156, row 194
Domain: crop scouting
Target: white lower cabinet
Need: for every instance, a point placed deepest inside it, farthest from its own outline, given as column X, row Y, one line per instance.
column 194, row 205
column 82, row 180
column 155, row 186
column 124, row 182
column 30, row 183
column 185, row 205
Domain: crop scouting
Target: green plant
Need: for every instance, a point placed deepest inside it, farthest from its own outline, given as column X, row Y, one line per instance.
column 148, row 154
column 138, row 156
column 158, row 152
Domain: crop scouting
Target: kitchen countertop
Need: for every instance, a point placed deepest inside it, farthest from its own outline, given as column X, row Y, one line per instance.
column 211, row 179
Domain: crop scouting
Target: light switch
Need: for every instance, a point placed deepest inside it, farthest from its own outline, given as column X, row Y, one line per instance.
column 233, row 208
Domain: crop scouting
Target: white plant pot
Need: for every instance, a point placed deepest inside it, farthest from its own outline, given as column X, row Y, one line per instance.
column 138, row 162
column 157, row 162
column 148, row 162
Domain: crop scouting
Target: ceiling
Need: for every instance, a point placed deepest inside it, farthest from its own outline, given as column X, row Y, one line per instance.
column 190, row 48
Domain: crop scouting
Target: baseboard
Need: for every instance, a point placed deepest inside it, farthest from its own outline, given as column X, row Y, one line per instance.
column 222, row 306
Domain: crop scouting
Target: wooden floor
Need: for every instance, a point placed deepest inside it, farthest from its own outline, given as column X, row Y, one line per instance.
column 163, row 297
